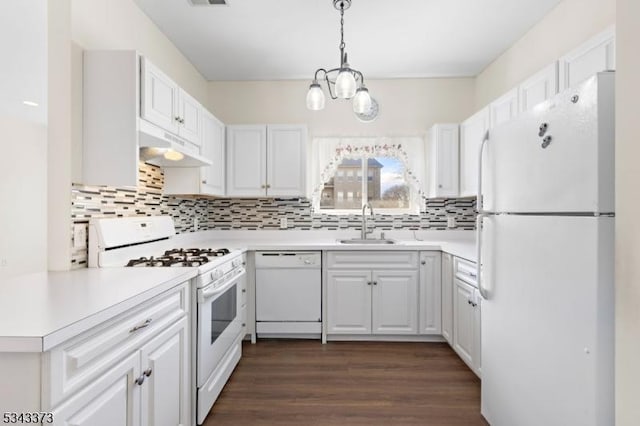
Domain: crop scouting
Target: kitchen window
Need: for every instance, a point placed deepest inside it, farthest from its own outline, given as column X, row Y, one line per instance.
column 386, row 172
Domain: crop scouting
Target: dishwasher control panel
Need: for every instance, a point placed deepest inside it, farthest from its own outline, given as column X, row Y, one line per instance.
column 288, row 259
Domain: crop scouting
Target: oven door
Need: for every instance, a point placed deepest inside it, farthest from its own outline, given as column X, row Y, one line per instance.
column 219, row 324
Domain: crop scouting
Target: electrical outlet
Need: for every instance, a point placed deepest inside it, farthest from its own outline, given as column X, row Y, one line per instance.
column 79, row 236
column 283, row 223
column 451, row 222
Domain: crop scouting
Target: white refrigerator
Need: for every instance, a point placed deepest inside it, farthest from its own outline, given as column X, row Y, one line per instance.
column 546, row 262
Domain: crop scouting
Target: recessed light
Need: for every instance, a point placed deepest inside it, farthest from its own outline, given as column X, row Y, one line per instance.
column 30, row 103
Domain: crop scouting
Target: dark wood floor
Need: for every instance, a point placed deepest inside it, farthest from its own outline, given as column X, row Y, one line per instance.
column 298, row 382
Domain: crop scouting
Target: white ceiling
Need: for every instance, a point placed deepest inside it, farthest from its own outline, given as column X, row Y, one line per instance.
column 290, row 39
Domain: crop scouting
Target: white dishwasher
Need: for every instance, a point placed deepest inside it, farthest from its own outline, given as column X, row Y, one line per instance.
column 288, row 294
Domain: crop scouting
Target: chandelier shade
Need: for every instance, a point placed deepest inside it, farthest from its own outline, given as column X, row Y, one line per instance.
column 342, row 82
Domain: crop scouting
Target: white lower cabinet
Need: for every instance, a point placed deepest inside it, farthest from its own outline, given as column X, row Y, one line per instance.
column 349, row 302
column 165, row 365
column 372, row 293
column 430, row 299
column 447, row 297
column 466, row 323
column 131, row 370
column 111, row 400
column 393, row 302
column 372, row 302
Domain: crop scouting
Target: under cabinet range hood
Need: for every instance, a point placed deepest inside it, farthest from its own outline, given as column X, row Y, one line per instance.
column 158, row 147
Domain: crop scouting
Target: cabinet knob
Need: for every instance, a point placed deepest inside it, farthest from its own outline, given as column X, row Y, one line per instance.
column 424, row 262
column 440, row 186
column 368, row 282
column 148, row 372
column 140, row 380
column 263, row 186
column 268, row 186
column 177, row 119
column 244, row 324
column 204, row 181
column 375, row 283
column 244, row 290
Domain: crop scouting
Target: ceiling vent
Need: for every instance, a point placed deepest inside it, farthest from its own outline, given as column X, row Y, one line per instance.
column 209, row 2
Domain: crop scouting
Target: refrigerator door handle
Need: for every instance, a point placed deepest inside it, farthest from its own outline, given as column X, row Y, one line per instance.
column 480, row 199
column 483, row 292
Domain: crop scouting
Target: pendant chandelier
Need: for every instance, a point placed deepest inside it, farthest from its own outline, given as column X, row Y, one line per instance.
column 343, row 82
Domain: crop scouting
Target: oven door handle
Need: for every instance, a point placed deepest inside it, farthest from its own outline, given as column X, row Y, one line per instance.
column 209, row 292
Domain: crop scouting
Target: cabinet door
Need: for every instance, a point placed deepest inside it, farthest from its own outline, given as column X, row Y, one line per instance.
column 472, row 132
column 246, row 161
column 443, row 160
column 430, row 293
column 463, row 321
column 504, row 108
column 349, row 302
column 113, row 399
column 190, row 113
column 159, row 103
column 538, row 88
column 395, row 302
column 597, row 54
column 213, row 176
column 447, row 297
column 286, row 160
column 477, row 337
column 165, row 364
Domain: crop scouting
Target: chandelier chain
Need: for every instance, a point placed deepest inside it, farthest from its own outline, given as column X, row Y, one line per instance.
column 342, row 45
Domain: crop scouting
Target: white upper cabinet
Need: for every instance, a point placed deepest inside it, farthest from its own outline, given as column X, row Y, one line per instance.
column 504, row 108
column 190, row 114
column 286, row 160
column 443, row 158
column 159, row 98
column 213, row 148
column 597, row 54
column 166, row 105
column 472, row 132
column 207, row 180
column 538, row 88
column 266, row 160
column 246, row 161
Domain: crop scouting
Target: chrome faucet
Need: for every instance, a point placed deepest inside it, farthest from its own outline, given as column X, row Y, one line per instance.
column 364, row 230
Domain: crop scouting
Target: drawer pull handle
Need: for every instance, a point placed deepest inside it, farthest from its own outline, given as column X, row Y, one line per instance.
column 141, row 326
column 472, row 274
column 148, row 372
column 140, row 380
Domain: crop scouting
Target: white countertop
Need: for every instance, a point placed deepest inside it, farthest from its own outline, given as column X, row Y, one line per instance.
column 461, row 243
column 39, row 311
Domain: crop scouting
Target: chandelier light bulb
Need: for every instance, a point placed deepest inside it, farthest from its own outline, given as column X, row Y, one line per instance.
column 362, row 101
column 345, row 83
column 315, row 97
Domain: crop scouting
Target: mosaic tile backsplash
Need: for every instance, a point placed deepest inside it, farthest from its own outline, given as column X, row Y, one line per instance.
column 242, row 213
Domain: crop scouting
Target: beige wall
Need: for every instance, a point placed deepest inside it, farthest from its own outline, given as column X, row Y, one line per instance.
column 627, row 207
column 408, row 107
column 564, row 28
column 120, row 24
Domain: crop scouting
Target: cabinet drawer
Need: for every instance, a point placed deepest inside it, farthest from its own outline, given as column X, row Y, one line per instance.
column 372, row 260
column 465, row 270
column 75, row 363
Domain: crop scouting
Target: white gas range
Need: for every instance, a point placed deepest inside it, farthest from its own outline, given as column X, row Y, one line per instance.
column 218, row 292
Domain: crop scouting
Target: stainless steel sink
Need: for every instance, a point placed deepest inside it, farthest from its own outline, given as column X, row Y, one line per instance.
column 367, row 241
